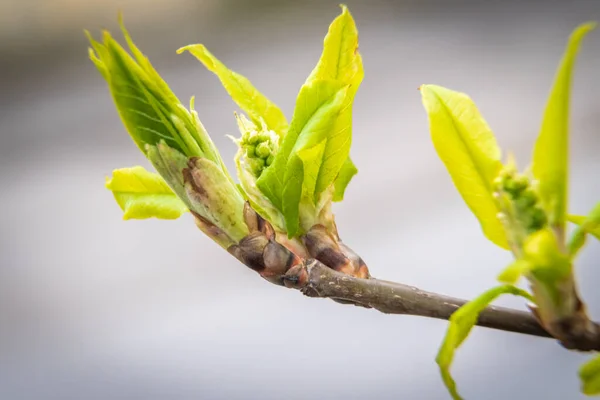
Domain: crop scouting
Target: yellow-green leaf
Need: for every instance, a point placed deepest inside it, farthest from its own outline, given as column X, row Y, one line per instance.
column 343, row 179
column 340, row 61
column 550, row 156
column 142, row 194
column 468, row 149
column 245, row 95
column 511, row 274
column 589, row 374
column 586, row 225
column 301, row 171
column 149, row 110
column 460, row 325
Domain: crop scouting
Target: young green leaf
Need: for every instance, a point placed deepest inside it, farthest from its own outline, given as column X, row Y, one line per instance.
column 245, row 95
column 319, row 105
column 511, row 274
column 142, row 100
column 142, row 194
column 550, row 156
column 589, row 374
column 460, row 325
column 343, row 179
column 467, row 147
column 579, row 219
column 589, row 224
column 340, row 61
column 301, row 170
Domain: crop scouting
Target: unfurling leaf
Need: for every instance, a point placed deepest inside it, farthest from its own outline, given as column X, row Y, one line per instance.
column 466, row 145
column 315, row 152
column 294, row 171
column 245, row 95
column 589, row 374
column 344, row 177
column 340, row 61
column 142, row 194
column 586, row 225
column 511, row 274
column 460, row 325
column 550, row 156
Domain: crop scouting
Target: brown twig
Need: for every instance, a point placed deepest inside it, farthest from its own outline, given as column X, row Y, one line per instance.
column 315, row 279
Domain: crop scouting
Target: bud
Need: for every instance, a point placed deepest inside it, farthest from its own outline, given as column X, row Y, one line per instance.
column 256, row 151
column 258, row 145
column 519, row 205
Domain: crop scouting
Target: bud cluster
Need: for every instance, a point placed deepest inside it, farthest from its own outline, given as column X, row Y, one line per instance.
column 522, row 200
column 258, row 146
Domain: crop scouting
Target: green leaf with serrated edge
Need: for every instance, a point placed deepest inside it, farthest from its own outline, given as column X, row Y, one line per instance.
column 550, row 155
column 144, row 109
column 589, row 224
column 318, row 106
column 340, row 61
column 468, row 149
column 148, row 108
column 460, row 325
column 340, row 66
column 343, row 179
column 245, row 95
column 589, row 374
column 142, row 194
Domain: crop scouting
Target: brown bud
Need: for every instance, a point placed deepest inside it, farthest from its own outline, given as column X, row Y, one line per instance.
column 326, row 248
column 260, row 250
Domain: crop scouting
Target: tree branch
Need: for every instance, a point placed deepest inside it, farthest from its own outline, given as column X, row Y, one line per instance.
column 315, row 279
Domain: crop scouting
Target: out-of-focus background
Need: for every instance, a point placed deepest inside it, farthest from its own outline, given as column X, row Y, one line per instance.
column 93, row 307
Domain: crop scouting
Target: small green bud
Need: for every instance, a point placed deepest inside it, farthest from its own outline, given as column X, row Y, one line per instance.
column 270, row 160
column 256, row 165
column 263, row 150
column 252, row 139
column 250, row 151
column 515, row 185
column 526, row 199
column 538, row 219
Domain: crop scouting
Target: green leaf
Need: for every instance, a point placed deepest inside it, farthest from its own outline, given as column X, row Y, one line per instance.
column 341, row 182
column 302, row 171
column 511, row 274
column 586, row 225
column 340, row 61
column 318, row 107
column 589, row 374
column 245, row 95
column 148, row 108
column 142, row 194
column 468, row 149
column 460, row 325
column 550, row 156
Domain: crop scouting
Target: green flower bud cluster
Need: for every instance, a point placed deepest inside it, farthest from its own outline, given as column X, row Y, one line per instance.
column 257, row 146
column 524, row 200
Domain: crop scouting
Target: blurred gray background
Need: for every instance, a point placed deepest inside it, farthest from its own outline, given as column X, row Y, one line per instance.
column 93, row 307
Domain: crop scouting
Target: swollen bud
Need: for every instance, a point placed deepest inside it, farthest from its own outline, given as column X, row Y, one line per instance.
column 519, row 202
column 257, row 145
column 257, row 148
